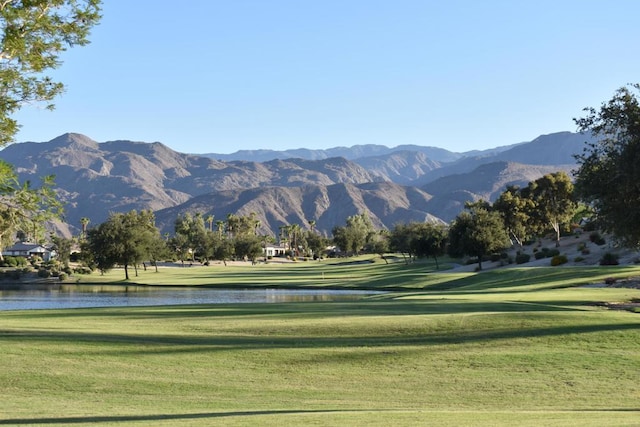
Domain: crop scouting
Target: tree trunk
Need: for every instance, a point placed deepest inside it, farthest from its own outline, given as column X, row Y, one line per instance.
column 126, row 272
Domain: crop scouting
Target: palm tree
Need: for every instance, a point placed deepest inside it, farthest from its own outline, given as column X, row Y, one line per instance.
column 84, row 221
column 209, row 220
column 312, row 224
column 294, row 230
column 220, row 225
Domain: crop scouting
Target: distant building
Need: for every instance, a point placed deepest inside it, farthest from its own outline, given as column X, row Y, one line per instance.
column 29, row 250
column 274, row 250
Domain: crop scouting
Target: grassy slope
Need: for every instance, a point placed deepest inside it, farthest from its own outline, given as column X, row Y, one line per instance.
column 510, row 347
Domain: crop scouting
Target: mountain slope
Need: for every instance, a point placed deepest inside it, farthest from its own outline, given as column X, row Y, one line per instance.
column 386, row 203
column 97, row 178
column 486, row 182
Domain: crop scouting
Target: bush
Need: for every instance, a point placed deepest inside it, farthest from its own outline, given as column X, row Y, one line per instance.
column 609, row 259
column 82, row 270
column 558, row 260
column 495, row 257
column 552, row 252
column 578, row 259
column 539, row 255
column 596, row 238
column 522, row 258
column 11, row 261
column 62, row 276
column 44, row 273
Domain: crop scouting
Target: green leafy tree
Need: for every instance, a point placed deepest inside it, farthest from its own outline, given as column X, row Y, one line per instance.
column 125, row 239
column 477, row 232
column 34, row 34
column 316, row 243
column 248, row 246
column 355, row 235
column 553, row 204
column 516, row 213
column 429, row 240
column 63, row 248
column 190, row 233
column 608, row 176
column 379, row 244
column 400, row 241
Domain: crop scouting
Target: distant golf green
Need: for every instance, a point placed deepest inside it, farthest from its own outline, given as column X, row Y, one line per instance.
column 507, row 347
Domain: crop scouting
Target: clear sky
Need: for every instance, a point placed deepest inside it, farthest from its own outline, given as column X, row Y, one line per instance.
column 218, row 76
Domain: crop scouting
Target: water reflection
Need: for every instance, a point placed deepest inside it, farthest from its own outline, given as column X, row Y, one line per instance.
column 34, row 296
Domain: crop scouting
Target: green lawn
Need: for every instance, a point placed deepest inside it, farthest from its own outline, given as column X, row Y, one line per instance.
column 509, row 347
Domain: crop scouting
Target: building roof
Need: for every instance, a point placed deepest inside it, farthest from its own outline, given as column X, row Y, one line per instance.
column 26, row 247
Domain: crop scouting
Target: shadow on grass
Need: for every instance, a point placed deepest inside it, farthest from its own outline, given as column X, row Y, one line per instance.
column 165, row 344
column 164, row 417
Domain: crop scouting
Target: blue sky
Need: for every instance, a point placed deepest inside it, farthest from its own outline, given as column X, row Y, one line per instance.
column 219, row 76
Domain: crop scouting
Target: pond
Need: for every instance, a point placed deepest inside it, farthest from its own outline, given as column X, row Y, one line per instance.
column 34, row 297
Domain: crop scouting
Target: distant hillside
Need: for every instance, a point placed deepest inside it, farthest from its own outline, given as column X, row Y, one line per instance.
column 392, row 185
column 486, row 182
column 97, row 178
column 386, row 203
column 402, row 167
column 556, row 149
column 349, row 153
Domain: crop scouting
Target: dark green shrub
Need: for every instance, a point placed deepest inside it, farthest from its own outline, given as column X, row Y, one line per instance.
column 558, row 260
column 522, row 258
column 495, row 257
column 44, row 273
column 82, row 270
column 609, row 259
column 62, row 276
column 596, row 238
column 552, row 252
column 539, row 255
column 578, row 259
column 11, row 261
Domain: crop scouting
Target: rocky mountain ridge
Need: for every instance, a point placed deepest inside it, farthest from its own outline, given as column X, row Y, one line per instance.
column 391, row 185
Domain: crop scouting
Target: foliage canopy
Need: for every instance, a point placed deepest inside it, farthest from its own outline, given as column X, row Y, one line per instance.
column 608, row 177
column 34, row 34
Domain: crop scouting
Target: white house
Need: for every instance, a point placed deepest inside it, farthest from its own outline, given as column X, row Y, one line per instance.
column 274, row 250
column 29, row 250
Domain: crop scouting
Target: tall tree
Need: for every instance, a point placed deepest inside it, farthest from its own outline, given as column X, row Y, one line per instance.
column 515, row 211
column 429, row 240
column 477, row 232
column 124, row 238
column 608, row 177
column 33, row 35
column 209, row 221
column 84, row 222
column 553, row 202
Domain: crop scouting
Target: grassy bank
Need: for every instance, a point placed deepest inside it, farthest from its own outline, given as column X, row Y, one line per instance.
column 510, row 347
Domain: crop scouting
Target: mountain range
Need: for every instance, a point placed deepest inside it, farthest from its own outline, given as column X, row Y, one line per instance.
column 401, row 184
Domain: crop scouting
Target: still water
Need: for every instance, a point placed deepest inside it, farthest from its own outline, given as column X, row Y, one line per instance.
column 34, row 297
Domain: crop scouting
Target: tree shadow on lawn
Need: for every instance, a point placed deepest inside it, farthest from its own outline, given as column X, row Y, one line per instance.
column 534, row 278
column 137, row 345
column 449, row 332
column 165, row 417
column 433, row 304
